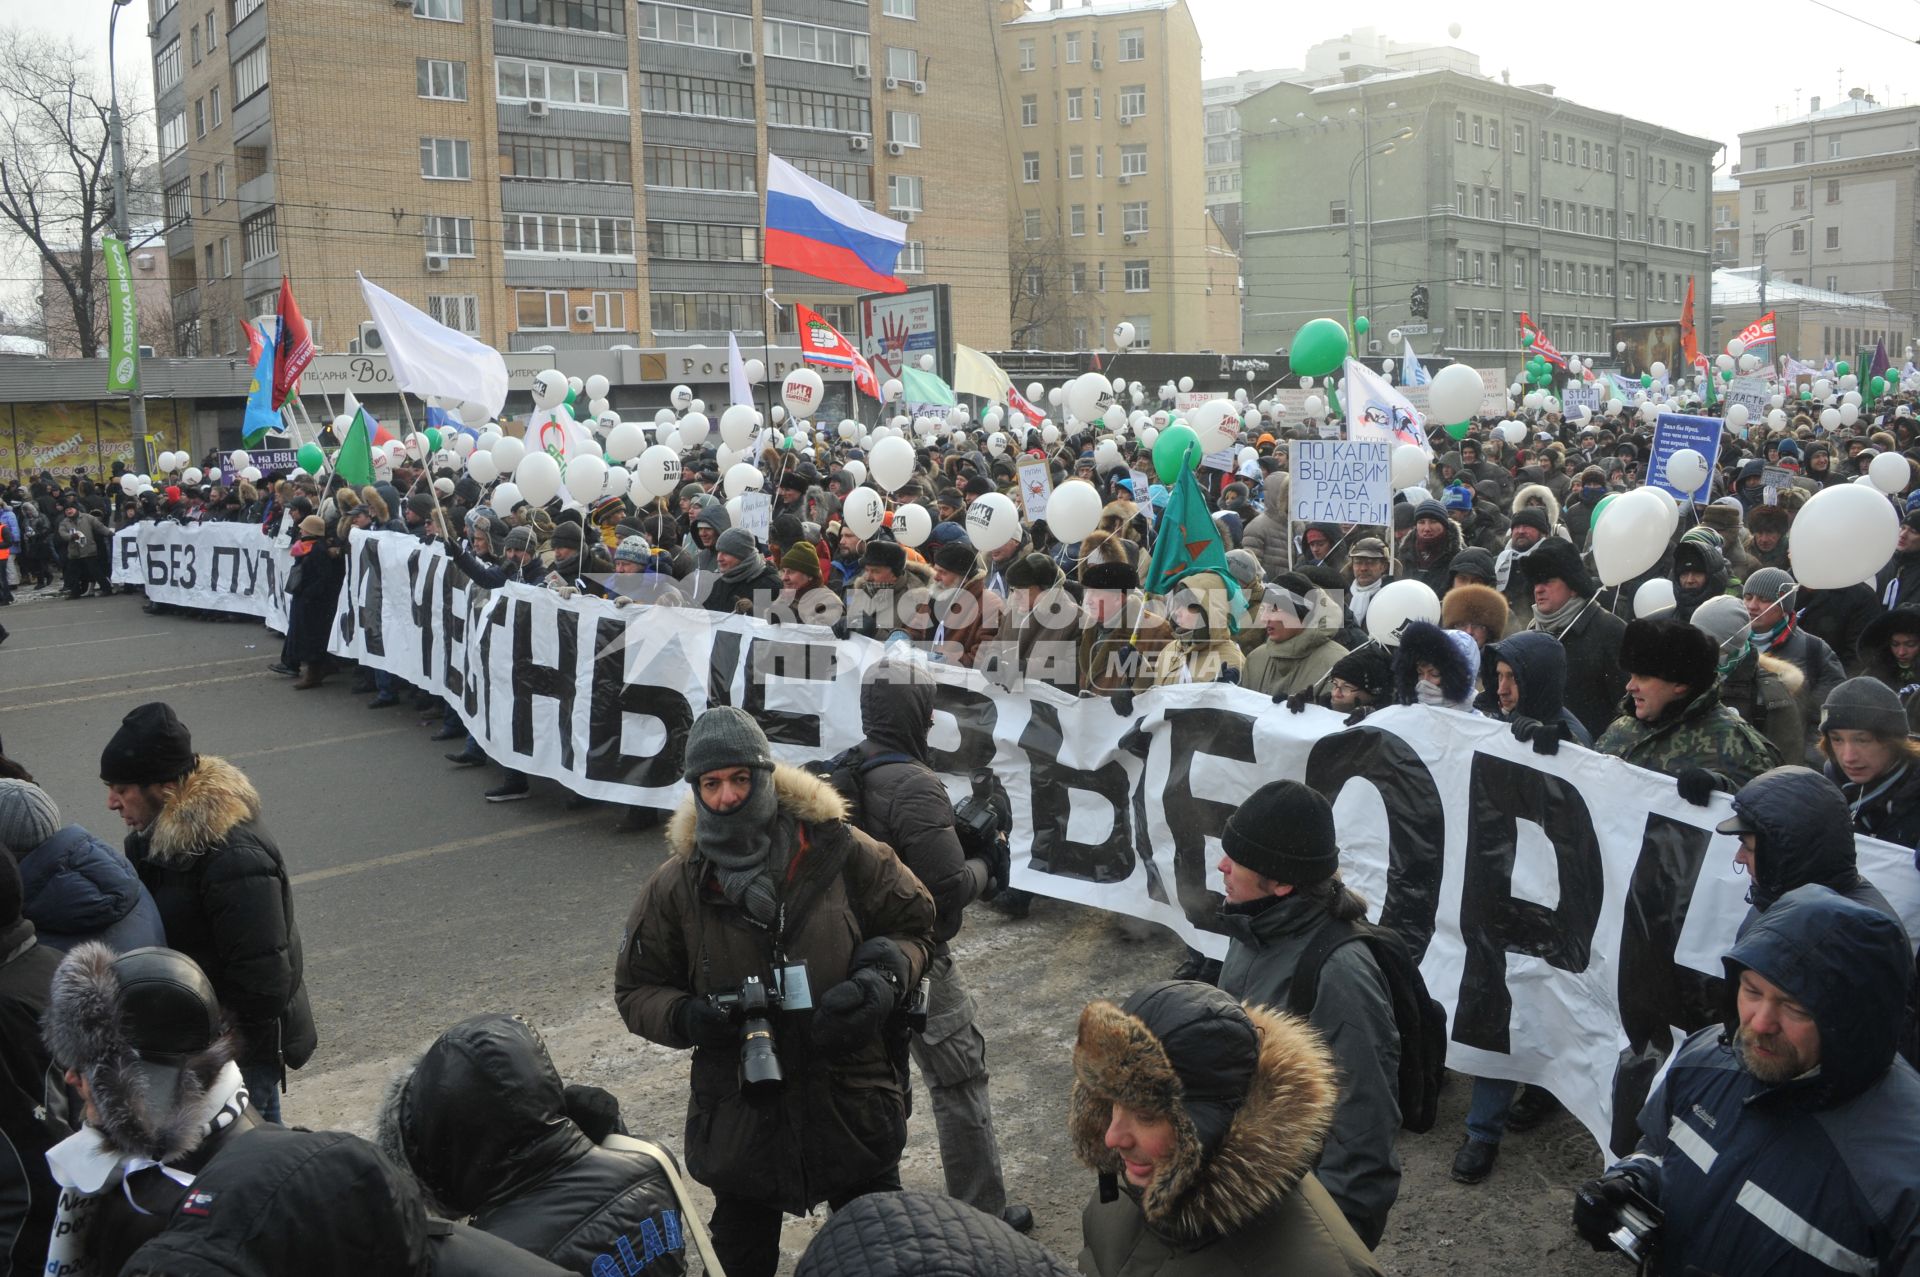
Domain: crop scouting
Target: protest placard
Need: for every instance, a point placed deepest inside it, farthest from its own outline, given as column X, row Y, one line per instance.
column 1673, row 431
column 1342, row 481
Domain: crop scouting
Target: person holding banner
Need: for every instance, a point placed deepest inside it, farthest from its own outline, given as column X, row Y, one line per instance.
column 1563, row 607
column 1674, row 721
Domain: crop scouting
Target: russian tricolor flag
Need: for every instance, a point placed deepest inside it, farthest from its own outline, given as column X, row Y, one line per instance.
column 818, row 231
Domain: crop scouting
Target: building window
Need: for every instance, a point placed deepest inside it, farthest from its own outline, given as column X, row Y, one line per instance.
column 1099, row 219
column 199, row 118
column 213, row 33
column 1030, row 167
column 213, row 107
column 1459, row 126
column 258, row 237
column 903, row 127
column 1460, row 265
column 547, row 234
column 1799, row 152
column 458, row 311
column 1629, row 158
column 703, row 242
column 1133, row 45
column 178, row 204
column 912, row 259
column 173, row 133
column 1493, row 269
column 439, row 78
column 569, row 88
column 1073, row 46
column 206, row 193
column 1556, row 148
column 904, row 193
column 438, row 10
column 608, row 17
column 226, row 258
column 250, row 73
column 1519, row 207
column 903, row 64
column 1035, row 280
column 802, row 42
column 812, row 109
column 166, row 67
column 1027, row 59
column 1797, row 238
column 1799, row 196
column 1520, row 271
column 538, row 310
column 1586, row 154
column 1139, row 279
column 1833, row 237
column 1519, row 139
column 1030, row 224
column 1076, row 104
column 1460, row 329
column 682, row 168
column 855, row 181
column 1760, row 200
column 1078, row 274
column 445, row 159
column 1479, row 201
column 900, row 8
column 242, row 9
column 1833, row 190
column 1133, row 217
column 1133, row 159
column 1478, row 130
column 1142, row 332
column 1133, row 101
column 449, row 236
column 1479, row 268
column 220, row 182
column 703, row 97
column 1077, row 220
column 1336, row 213
column 554, row 159
column 609, row 312
column 1099, row 156
column 1076, row 161
column 1833, row 148
column 1692, row 176
column 1029, row 111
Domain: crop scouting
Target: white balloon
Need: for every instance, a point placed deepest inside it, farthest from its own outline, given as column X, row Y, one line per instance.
column 1749, row 362
column 443, row 486
column 1410, row 465
column 1513, row 432
column 926, row 363
column 1454, row 396
column 626, row 441
column 596, row 386
column 251, row 474
column 507, row 453
column 1088, row 396
column 1049, row 434
column 1394, row 336
column 1658, row 369
column 1724, row 363
column 238, row 459
column 891, row 462
column 1842, row 536
column 1736, row 347
column 992, row 521
column 1073, row 511
column 1849, row 413
column 1122, row 335
column 1216, row 422
column 1687, row 470
column 130, row 484
column 1889, row 471
column 191, row 476
column 1186, row 385
column 1631, row 538
column 856, row 470
column 1653, row 598
column 658, row 471
column 585, row 478
column 863, row 512
column 1830, row 418
column 1105, row 457
column 737, row 425
column 742, row 478
column 997, row 444
column 481, row 466
column 1397, row 603
column 912, row 524
column 1737, row 416
column 213, row 476
column 693, row 429
column 597, row 408
column 463, row 446
column 1822, row 389
column 1148, row 436
column 538, row 477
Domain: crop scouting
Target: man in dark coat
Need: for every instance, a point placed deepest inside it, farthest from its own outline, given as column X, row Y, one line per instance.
column 485, row 1124
column 194, row 835
column 1783, row 1139
column 1672, row 719
column 904, row 805
column 1771, row 600
column 1427, row 552
column 1563, row 607
column 313, row 589
column 1839, row 617
column 742, row 580
column 29, row 1094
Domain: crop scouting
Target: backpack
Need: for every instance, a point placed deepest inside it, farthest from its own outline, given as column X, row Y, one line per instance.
column 844, row 771
column 1420, row 1021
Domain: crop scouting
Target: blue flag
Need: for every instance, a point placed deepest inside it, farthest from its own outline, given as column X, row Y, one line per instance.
column 260, row 414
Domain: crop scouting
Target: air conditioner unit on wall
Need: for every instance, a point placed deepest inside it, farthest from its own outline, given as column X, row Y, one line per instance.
column 538, row 110
column 919, row 86
column 860, row 142
column 906, row 214
column 435, row 262
column 896, row 148
column 583, row 314
column 1126, row 179
column 748, row 59
column 861, row 71
column 369, row 342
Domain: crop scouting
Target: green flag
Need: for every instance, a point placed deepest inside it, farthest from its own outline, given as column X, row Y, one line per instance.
column 354, row 462
column 123, row 326
column 924, row 387
column 1185, row 541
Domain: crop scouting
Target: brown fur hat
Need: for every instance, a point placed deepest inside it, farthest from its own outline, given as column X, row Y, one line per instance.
column 1769, row 518
column 1480, row 605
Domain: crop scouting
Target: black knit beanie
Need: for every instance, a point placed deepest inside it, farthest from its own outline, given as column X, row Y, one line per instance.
column 152, row 747
column 1284, row 832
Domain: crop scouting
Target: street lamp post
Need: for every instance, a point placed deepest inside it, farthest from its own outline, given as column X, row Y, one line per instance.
column 1379, row 148
column 1764, row 237
column 116, row 135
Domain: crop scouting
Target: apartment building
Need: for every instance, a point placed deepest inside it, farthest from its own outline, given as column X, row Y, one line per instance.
column 1103, row 123
column 565, row 174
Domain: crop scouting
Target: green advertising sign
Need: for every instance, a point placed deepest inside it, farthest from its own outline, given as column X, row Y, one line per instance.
column 123, row 326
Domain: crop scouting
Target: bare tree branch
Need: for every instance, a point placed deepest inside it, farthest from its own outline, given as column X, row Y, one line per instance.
column 1047, row 300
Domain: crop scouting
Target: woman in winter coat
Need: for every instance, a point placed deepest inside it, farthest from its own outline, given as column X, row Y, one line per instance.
column 1203, row 1119
column 1426, row 553
column 75, row 887
column 766, row 877
column 1200, row 610
column 485, row 1124
column 1870, row 755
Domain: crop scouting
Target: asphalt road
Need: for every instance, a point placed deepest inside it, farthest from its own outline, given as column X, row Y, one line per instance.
column 420, row 904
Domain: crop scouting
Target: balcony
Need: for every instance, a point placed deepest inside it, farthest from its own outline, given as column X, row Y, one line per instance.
column 251, row 116
column 186, row 305
column 255, row 194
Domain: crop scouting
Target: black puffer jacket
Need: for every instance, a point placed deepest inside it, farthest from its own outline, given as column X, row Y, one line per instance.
column 480, row 1120
column 27, row 1125
column 224, row 899
column 922, row 1235
column 903, row 804
column 279, row 1201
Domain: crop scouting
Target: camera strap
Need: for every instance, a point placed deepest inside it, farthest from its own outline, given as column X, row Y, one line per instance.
column 689, row 1209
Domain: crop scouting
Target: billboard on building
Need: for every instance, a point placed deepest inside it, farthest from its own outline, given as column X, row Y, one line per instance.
column 1654, row 342
column 896, row 329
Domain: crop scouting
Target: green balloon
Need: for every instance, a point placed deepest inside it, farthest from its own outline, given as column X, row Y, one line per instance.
column 1458, row 430
column 1806, row 392
column 1361, row 325
column 1646, row 380
column 1877, row 387
column 1840, row 369
column 1318, row 348
column 1178, row 450
column 1600, row 508
column 1526, row 339
column 1726, row 374
column 433, row 439
column 310, row 458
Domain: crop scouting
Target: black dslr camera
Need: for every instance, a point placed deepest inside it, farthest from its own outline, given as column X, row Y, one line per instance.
column 1636, row 1231
column 760, row 1073
column 983, row 820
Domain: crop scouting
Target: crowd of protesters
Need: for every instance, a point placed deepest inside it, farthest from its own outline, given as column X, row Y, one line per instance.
column 1236, row 1126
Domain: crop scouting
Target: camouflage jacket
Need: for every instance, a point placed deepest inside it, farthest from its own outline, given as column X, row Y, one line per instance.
column 1705, row 733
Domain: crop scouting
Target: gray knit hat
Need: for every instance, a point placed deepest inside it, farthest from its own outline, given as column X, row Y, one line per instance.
column 1768, row 583
column 633, row 549
column 736, row 541
column 1859, row 704
column 1722, row 617
column 521, row 539
column 726, row 736
column 28, row 817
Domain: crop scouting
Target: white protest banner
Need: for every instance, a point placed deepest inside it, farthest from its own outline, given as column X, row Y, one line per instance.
column 1568, row 911
column 221, row 567
column 1036, row 487
column 1574, row 398
column 1342, row 481
column 1755, row 392
column 756, row 514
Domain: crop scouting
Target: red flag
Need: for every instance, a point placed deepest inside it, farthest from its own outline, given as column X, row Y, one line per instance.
column 1759, row 332
column 294, row 349
column 1546, row 349
column 821, row 343
column 1689, row 343
column 1018, row 402
column 254, row 342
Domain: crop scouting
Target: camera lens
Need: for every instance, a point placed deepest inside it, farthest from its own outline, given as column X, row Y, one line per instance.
column 759, row 1065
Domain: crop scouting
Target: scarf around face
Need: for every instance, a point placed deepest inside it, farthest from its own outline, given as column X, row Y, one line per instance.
column 1557, row 623
column 746, row 569
column 739, row 845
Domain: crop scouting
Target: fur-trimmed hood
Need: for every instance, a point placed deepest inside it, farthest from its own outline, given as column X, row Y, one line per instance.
column 82, row 1030
column 1272, row 1141
column 1452, row 652
column 1532, row 492
column 810, row 799
column 212, row 799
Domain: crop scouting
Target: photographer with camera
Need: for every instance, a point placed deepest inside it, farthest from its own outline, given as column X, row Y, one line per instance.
column 1784, row 1140
column 770, row 897
column 902, row 803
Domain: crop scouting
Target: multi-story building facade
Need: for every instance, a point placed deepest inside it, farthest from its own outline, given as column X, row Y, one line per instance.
column 572, row 174
column 1220, row 134
column 1726, row 220
column 1831, row 200
column 1104, row 133
column 1477, row 198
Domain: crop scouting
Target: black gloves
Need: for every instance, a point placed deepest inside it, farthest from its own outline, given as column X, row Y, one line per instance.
column 595, row 1111
column 1296, row 703
column 1122, row 702
column 1596, row 1209
column 1228, row 675
column 704, row 1024
column 1544, row 737
column 999, row 863
column 850, row 1014
column 1696, row 785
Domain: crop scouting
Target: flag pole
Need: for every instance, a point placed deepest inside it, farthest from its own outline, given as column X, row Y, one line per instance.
column 426, row 470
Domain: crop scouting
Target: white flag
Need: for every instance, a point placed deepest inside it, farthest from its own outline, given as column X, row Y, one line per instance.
column 737, row 384
column 1379, row 413
column 428, row 358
